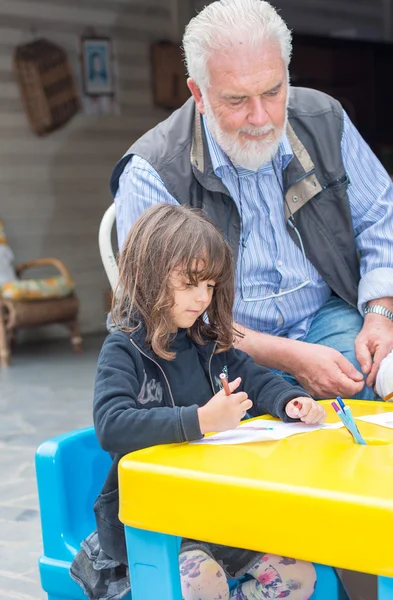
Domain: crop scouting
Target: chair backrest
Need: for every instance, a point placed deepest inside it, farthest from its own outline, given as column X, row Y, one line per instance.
column 7, row 271
column 105, row 245
column 71, row 470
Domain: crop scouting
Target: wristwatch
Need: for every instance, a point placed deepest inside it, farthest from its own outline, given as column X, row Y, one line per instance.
column 379, row 310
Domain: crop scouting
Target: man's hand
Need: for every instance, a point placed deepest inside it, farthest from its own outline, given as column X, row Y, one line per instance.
column 325, row 373
column 373, row 343
column 306, row 409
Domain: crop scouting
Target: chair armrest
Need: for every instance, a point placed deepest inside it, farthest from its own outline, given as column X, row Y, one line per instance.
column 43, row 262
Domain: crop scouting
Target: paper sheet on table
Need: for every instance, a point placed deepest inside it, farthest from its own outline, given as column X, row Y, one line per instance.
column 384, row 419
column 262, row 431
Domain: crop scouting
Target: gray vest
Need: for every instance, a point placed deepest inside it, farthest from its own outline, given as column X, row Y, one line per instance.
column 315, row 182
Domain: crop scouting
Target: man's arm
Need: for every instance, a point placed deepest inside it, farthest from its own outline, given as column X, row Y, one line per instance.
column 268, row 350
column 322, row 371
column 370, row 196
column 139, row 188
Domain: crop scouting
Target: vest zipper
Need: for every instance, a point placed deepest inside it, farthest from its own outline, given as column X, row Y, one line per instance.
column 156, row 363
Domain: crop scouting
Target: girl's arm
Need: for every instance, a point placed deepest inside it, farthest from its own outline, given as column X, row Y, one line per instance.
column 121, row 424
column 269, row 392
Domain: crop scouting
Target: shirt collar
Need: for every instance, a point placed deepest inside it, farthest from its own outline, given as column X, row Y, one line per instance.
column 221, row 161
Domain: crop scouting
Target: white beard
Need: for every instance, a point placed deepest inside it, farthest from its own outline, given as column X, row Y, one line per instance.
column 251, row 155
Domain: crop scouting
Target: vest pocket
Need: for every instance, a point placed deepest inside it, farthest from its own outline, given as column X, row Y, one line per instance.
column 337, row 183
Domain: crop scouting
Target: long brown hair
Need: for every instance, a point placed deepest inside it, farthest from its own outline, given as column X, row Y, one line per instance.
column 166, row 237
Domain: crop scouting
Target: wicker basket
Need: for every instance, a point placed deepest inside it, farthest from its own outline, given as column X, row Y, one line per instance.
column 47, row 85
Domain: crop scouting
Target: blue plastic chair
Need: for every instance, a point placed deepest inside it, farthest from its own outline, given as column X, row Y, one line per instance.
column 71, row 470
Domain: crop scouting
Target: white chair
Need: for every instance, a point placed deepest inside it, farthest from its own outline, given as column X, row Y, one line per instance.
column 105, row 245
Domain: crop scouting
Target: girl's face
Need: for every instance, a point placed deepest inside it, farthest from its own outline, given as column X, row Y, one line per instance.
column 190, row 301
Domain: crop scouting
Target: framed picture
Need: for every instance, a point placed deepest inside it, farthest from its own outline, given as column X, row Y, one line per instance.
column 97, row 67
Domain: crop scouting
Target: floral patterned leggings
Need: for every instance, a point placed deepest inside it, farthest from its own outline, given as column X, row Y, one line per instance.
column 202, row 578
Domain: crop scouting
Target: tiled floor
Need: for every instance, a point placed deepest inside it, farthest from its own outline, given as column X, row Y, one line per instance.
column 47, row 390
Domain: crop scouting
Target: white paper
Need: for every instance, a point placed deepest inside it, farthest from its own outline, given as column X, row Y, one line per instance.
column 264, row 430
column 384, row 419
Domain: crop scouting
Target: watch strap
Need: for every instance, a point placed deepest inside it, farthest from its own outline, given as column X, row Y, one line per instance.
column 379, row 310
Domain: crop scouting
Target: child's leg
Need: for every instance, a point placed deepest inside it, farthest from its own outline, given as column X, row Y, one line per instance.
column 201, row 577
column 278, row 577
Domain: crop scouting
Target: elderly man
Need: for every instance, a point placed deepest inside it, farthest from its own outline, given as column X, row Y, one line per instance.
column 304, row 203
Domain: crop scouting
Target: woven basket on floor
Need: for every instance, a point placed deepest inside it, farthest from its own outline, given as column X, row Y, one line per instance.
column 47, row 85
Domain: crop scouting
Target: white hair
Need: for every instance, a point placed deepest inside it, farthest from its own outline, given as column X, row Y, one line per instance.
column 225, row 22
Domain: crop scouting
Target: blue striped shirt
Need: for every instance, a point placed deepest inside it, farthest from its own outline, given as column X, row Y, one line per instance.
column 269, row 262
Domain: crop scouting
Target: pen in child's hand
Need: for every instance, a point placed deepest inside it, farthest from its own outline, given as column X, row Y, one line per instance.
column 225, row 385
column 298, row 405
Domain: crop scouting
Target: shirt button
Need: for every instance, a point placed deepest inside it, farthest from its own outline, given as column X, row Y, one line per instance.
column 280, row 263
column 280, row 320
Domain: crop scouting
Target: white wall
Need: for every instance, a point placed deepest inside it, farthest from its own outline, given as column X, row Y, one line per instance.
column 54, row 190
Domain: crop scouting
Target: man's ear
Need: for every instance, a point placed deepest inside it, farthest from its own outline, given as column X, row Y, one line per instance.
column 197, row 94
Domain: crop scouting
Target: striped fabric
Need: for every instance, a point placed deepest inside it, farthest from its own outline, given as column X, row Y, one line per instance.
column 270, row 263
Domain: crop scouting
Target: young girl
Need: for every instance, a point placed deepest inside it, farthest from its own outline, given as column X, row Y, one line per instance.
column 158, row 383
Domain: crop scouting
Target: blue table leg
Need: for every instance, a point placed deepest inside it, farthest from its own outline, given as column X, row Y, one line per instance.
column 329, row 586
column 153, row 559
column 385, row 588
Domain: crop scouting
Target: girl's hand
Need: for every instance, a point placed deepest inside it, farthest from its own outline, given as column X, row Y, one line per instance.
column 224, row 412
column 307, row 410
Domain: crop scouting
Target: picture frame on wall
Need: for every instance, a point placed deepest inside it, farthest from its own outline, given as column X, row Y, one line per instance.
column 97, row 70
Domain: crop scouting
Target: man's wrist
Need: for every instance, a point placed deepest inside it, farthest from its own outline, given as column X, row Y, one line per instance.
column 382, row 307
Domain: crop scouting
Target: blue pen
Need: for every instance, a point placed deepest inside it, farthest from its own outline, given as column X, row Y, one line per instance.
column 344, row 412
column 351, row 420
column 348, row 413
column 343, row 418
column 349, row 423
column 356, row 433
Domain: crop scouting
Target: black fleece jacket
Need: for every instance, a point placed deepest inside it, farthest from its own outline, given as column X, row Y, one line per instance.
column 138, row 404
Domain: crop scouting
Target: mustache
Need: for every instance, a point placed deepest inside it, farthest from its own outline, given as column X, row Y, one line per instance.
column 257, row 130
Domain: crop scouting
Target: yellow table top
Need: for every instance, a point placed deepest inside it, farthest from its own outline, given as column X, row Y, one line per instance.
column 316, row 496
